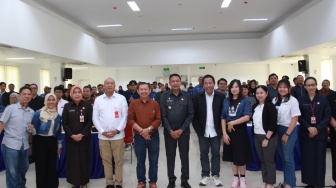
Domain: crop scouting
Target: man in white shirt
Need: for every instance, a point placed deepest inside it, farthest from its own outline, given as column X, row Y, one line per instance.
column 110, row 117
column 58, row 91
column 207, row 124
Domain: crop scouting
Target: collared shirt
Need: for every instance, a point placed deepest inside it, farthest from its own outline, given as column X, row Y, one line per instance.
column 129, row 94
column 197, row 89
column 153, row 95
column 287, row 110
column 145, row 114
column 60, row 106
column 110, row 114
column 298, row 91
column 272, row 92
column 176, row 111
column 210, row 130
column 36, row 103
column 257, row 120
column 16, row 121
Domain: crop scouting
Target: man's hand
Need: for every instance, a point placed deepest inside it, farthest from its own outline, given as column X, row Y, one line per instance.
column 145, row 134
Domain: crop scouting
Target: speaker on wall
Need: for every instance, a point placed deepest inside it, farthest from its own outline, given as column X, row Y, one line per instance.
column 67, row 73
column 302, row 65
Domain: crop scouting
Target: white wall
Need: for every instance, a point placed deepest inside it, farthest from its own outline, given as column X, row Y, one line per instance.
column 27, row 27
column 312, row 27
column 30, row 73
column 258, row 71
column 184, row 52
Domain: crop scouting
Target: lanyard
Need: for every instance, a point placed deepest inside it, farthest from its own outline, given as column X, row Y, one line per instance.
column 312, row 108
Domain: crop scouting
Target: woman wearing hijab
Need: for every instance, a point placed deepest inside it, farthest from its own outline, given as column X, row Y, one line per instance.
column 47, row 142
column 77, row 123
column 13, row 98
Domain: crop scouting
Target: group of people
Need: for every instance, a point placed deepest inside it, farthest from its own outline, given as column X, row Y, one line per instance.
column 215, row 114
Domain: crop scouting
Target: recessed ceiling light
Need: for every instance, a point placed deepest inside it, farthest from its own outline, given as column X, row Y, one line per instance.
column 113, row 25
column 226, row 3
column 133, row 5
column 20, row 58
column 182, row 29
column 254, row 19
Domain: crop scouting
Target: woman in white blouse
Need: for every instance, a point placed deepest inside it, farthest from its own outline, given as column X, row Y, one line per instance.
column 288, row 114
column 264, row 124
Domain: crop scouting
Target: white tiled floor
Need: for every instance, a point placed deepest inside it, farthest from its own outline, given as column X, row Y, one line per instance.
column 130, row 179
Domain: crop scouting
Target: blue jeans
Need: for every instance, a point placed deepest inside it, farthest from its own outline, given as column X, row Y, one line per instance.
column 205, row 144
column 286, row 152
column 17, row 164
column 141, row 146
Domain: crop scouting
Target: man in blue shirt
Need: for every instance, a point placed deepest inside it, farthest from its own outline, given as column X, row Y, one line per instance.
column 298, row 90
column 153, row 95
column 16, row 121
column 272, row 86
column 199, row 87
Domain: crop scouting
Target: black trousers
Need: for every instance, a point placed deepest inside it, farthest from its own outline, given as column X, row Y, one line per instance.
column 183, row 145
column 333, row 152
column 45, row 150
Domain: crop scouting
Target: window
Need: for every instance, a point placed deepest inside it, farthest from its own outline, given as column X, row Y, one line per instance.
column 326, row 71
column 10, row 75
column 45, row 80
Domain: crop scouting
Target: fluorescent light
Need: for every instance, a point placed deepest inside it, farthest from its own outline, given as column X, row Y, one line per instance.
column 333, row 47
column 113, row 25
column 133, row 5
column 226, row 3
column 182, row 29
column 20, row 58
column 254, row 19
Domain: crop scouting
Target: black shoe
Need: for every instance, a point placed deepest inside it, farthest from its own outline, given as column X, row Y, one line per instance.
column 171, row 184
column 119, row 186
column 185, row 184
column 109, row 186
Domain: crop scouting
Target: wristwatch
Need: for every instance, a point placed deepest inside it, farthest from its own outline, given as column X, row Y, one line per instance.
column 118, row 131
column 150, row 129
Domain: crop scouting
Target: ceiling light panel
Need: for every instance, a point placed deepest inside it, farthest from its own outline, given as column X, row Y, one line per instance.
column 20, row 58
column 133, row 5
column 254, row 19
column 182, row 29
column 226, row 3
column 112, row 25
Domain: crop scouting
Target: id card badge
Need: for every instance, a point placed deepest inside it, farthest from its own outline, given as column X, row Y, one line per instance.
column 81, row 118
column 312, row 120
column 116, row 114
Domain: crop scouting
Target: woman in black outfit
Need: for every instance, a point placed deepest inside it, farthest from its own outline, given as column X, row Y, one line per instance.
column 264, row 126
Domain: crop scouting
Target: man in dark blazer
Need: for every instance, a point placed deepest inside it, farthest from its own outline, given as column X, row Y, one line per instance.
column 207, row 124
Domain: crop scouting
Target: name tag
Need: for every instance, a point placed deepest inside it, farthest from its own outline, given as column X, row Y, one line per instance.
column 71, row 110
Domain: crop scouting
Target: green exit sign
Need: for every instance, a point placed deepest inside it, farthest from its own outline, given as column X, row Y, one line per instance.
column 166, row 69
column 201, row 67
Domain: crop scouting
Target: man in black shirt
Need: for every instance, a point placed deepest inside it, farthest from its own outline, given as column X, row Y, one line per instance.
column 36, row 102
column 177, row 113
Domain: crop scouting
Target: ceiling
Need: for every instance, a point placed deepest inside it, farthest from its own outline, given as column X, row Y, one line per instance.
column 158, row 17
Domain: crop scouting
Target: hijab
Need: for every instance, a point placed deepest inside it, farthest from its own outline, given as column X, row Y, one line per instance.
column 47, row 113
column 72, row 93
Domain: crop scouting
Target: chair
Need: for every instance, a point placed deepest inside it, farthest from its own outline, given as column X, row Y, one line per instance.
column 129, row 137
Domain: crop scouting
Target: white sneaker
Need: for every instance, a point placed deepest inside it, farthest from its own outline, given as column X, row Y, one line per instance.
column 242, row 182
column 217, row 181
column 205, row 180
column 235, row 183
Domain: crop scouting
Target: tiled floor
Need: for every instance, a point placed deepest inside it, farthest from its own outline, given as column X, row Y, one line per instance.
column 130, row 179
